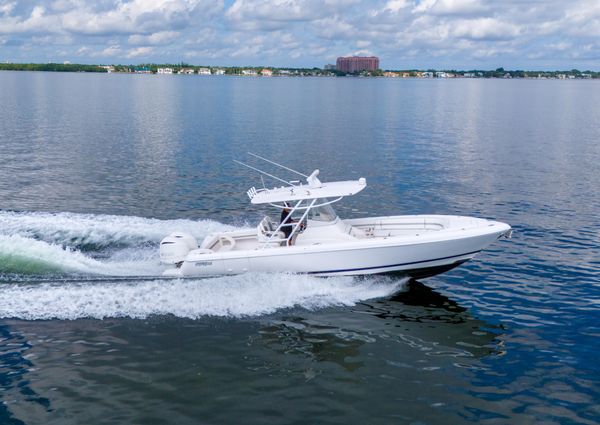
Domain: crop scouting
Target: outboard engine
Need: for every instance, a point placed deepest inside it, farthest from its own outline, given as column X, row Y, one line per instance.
column 175, row 247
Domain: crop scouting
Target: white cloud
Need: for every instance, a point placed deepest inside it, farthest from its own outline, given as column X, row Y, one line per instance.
column 450, row 7
column 7, row 8
column 396, row 5
column 404, row 33
column 110, row 51
column 114, row 17
column 269, row 15
column 158, row 38
column 84, row 51
column 335, row 28
column 139, row 51
column 485, row 29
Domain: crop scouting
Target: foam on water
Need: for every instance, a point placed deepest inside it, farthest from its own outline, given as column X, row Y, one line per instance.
column 250, row 294
column 20, row 255
column 96, row 232
column 69, row 248
column 44, row 243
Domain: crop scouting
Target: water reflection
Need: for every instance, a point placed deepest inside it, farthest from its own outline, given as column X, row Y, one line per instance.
column 420, row 322
column 14, row 381
column 316, row 342
column 415, row 336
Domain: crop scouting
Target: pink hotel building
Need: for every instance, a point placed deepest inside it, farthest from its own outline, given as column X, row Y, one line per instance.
column 357, row 63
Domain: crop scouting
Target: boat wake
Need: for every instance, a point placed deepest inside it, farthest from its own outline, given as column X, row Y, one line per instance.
column 66, row 243
column 245, row 295
column 71, row 266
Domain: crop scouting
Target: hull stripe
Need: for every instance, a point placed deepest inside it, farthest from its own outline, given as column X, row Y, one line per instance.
column 394, row 265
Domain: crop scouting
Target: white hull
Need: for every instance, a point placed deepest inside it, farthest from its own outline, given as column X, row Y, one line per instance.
column 419, row 246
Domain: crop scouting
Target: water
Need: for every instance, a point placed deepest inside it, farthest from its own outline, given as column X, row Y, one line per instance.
column 96, row 169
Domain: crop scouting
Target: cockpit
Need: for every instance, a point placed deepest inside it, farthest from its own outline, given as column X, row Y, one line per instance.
column 322, row 213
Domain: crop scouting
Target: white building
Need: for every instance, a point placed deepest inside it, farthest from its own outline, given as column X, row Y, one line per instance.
column 164, row 71
column 249, row 72
column 187, row 71
column 203, row 71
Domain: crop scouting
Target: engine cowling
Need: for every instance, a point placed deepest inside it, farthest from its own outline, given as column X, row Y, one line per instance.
column 175, row 247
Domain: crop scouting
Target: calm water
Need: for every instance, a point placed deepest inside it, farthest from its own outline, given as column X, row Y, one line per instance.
column 96, row 169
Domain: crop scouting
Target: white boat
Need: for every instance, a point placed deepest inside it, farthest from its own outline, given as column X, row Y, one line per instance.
column 313, row 239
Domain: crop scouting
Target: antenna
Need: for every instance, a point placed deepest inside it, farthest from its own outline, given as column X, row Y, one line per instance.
column 262, row 172
column 279, row 165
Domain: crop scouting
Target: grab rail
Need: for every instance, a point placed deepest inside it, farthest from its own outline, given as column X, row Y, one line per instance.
column 294, row 227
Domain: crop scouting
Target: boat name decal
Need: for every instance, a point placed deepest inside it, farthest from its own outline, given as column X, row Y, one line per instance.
column 203, row 263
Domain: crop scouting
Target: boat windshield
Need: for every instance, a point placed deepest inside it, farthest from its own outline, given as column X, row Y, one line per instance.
column 322, row 213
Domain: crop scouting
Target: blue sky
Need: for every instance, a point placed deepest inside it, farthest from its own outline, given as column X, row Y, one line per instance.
column 440, row 34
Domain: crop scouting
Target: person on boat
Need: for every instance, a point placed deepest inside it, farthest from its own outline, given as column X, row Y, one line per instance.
column 287, row 223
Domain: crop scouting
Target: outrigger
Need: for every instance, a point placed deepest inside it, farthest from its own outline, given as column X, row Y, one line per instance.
column 323, row 244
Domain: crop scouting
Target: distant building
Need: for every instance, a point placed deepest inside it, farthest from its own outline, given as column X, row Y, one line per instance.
column 219, row 72
column 142, row 70
column 357, row 63
column 250, row 72
column 266, row 72
column 109, row 68
column 329, row 67
column 390, row 74
column 164, row 71
column 203, row 71
column 188, row 71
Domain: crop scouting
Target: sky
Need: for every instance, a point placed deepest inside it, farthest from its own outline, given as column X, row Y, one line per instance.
column 404, row 34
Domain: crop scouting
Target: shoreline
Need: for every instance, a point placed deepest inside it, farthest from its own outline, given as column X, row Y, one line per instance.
column 170, row 69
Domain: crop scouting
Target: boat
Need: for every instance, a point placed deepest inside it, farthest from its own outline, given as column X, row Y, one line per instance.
column 311, row 238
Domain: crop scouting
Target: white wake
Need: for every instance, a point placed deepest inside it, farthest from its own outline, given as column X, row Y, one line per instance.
column 59, row 243
column 250, row 294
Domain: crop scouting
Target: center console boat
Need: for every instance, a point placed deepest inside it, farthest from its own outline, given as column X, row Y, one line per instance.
column 319, row 242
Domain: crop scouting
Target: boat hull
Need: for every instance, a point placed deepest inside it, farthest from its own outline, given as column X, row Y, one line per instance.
column 416, row 257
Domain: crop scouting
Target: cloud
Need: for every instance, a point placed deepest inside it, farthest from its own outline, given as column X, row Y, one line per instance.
column 157, row 38
column 269, row 15
column 485, row 29
column 112, row 17
column 7, row 8
column 404, row 33
column 450, row 7
column 110, row 51
column 334, row 28
column 139, row 51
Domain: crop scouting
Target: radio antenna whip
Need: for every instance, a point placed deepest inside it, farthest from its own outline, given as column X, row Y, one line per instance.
column 279, row 165
column 263, row 172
